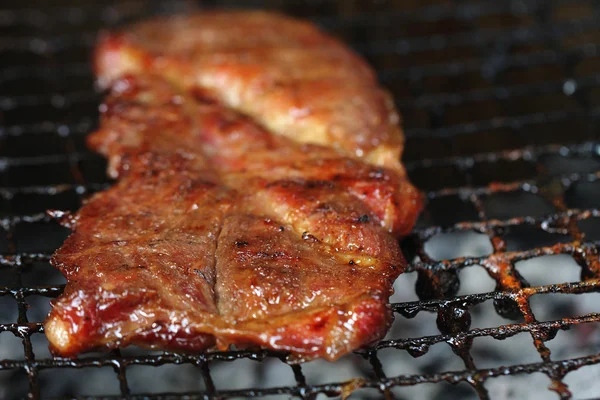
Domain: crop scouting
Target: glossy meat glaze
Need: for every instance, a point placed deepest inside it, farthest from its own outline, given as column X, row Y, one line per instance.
column 223, row 229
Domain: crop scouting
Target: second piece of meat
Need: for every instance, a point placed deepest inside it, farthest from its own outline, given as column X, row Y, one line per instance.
column 219, row 232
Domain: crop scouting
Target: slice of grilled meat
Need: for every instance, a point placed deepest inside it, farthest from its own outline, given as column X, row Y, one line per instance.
column 284, row 73
column 221, row 232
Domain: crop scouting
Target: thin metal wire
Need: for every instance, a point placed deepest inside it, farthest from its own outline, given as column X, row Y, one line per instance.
column 437, row 279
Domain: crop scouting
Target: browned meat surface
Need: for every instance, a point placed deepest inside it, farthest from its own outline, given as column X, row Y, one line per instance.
column 282, row 72
column 219, row 232
column 139, row 264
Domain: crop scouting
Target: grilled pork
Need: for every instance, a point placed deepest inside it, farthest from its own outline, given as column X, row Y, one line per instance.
column 228, row 229
column 284, row 73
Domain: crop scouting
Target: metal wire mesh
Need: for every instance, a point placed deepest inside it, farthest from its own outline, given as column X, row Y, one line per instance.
column 500, row 105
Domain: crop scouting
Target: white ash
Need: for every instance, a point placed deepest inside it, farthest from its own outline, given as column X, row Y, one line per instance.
column 487, row 352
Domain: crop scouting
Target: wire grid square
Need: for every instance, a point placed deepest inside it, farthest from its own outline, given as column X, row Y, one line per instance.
column 533, row 90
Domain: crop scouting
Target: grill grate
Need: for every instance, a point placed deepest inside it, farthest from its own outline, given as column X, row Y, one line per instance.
column 500, row 99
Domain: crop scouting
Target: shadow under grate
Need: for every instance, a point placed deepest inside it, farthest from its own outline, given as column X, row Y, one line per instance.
column 500, row 109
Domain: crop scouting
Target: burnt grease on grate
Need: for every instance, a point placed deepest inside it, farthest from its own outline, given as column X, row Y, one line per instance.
column 501, row 108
